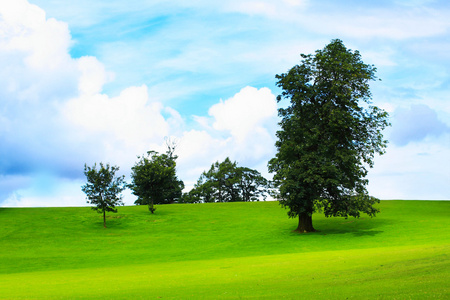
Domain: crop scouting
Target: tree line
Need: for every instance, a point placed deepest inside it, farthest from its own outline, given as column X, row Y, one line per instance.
column 227, row 182
column 154, row 181
column 329, row 135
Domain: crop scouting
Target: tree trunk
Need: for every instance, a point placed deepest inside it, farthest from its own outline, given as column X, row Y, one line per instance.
column 305, row 223
column 104, row 219
column 151, row 208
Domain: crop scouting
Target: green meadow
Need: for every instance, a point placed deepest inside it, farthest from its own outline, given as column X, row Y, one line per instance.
column 225, row 251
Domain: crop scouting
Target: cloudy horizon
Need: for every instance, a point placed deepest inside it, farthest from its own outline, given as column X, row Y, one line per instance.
column 106, row 81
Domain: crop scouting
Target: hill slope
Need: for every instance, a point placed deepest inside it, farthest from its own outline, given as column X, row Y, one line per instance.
column 223, row 250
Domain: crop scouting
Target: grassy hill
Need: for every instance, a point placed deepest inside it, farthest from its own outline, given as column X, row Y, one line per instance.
column 224, row 250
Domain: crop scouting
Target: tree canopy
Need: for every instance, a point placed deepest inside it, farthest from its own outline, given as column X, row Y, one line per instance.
column 227, row 182
column 330, row 133
column 154, row 179
column 103, row 188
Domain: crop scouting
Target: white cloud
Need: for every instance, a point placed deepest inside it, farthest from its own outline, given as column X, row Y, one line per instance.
column 81, row 124
column 245, row 113
column 26, row 29
column 250, row 119
column 197, row 150
column 416, row 124
column 34, row 54
column 37, row 73
column 93, row 75
column 242, row 128
column 131, row 117
column 54, row 117
column 416, row 171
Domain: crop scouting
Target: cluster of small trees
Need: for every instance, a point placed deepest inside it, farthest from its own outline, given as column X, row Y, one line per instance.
column 227, row 182
column 326, row 142
column 154, row 181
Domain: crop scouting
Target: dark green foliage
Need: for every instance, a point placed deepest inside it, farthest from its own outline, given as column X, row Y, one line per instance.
column 226, row 182
column 252, row 185
column 154, row 179
column 327, row 138
column 103, row 188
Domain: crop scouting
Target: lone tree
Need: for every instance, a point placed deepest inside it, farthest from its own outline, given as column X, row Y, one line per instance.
column 103, row 188
column 154, row 179
column 329, row 135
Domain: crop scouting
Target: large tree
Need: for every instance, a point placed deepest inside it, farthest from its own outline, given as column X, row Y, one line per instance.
column 154, row 179
column 330, row 133
column 103, row 188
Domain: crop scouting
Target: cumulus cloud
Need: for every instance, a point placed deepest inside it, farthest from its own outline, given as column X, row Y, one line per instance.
column 93, row 75
column 54, row 117
column 37, row 73
column 241, row 127
column 250, row 119
column 130, row 118
column 25, row 29
column 415, row 124
column 244, row 114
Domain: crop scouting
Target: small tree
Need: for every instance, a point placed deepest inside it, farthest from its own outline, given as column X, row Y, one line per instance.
column 154, row 179
column 327, row 138
column 103, row 189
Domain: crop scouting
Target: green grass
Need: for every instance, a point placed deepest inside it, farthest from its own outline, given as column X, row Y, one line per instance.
column 226, row 250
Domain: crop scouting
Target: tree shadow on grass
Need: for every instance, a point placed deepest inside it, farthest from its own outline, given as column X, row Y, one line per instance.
column 357, row 227
column 143, row 210
column 113, row 221
column 125, row 221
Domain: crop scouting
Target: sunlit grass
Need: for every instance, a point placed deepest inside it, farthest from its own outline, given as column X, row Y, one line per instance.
column 227, row 250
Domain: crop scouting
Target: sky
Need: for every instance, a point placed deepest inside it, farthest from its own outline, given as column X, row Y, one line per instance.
column 84, row 82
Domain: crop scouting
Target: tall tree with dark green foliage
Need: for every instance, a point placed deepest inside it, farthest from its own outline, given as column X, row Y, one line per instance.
column 329, row 136
column 103, row 188
column 154, row 179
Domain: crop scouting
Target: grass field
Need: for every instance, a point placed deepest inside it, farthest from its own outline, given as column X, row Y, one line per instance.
column 224, row 250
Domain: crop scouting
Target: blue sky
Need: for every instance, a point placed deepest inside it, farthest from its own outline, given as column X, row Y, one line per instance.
column 89, row 81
